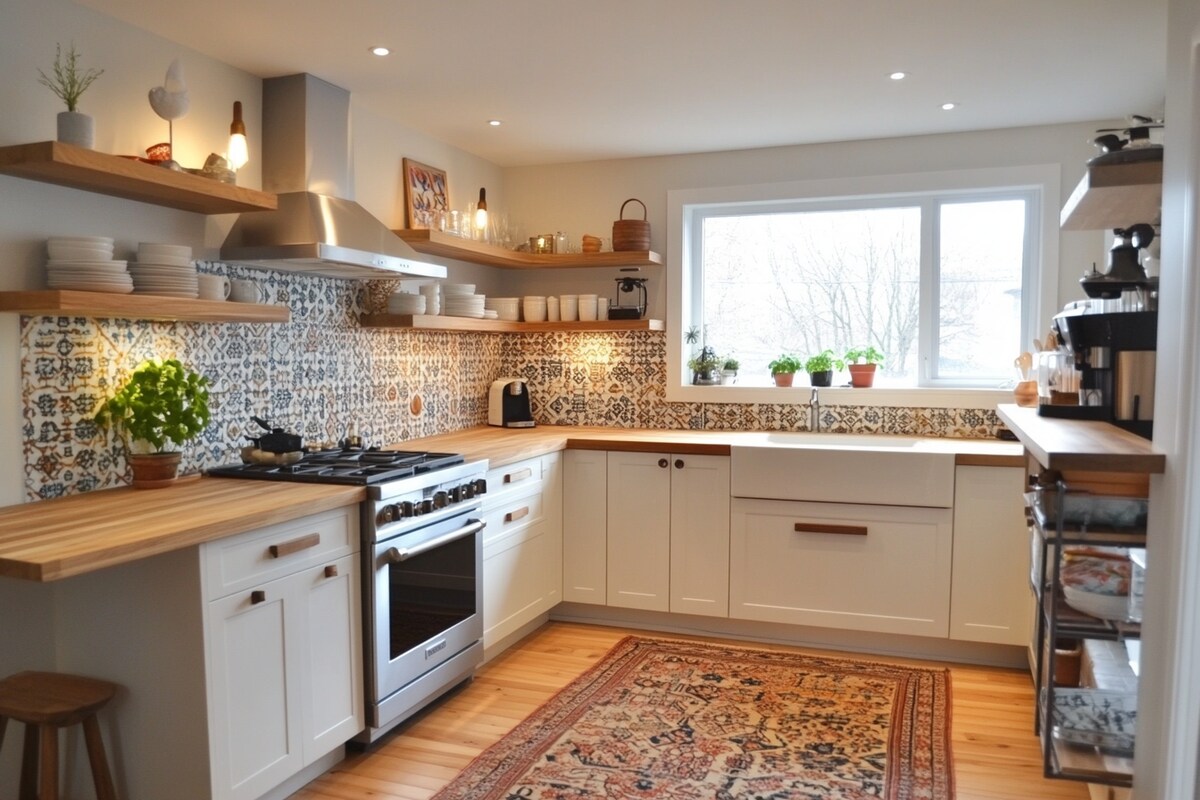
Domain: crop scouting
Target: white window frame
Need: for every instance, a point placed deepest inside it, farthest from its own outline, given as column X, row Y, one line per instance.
column 683, row 289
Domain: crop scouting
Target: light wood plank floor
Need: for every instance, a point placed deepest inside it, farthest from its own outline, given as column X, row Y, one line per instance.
column 996, row 755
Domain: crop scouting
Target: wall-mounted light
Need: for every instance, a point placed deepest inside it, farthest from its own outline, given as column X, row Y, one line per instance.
column 238, row 153
column 481, row 210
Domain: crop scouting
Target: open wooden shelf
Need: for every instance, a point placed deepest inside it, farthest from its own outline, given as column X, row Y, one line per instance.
column 80, row 168
column 102, row 305
column 470, row 324
column 438, row 243
column 1115, row 196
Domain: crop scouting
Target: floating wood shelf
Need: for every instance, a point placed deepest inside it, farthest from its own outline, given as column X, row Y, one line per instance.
column 1115, row 196
column 437, row 243
column 104, row 305
column 80, row 168
column 470, row 324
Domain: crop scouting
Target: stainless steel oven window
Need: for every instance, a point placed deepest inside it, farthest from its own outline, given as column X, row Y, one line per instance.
column 430, row 593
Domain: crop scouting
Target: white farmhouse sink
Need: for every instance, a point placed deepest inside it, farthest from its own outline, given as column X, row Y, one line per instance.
column 843, row 468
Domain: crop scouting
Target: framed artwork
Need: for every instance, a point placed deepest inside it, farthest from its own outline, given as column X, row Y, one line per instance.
column 425, row 193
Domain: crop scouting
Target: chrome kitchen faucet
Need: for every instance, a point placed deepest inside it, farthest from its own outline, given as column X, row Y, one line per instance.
column 814, row 412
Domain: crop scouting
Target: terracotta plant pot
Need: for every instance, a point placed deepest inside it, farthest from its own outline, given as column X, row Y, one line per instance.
column 824, row 378
column 784, row 378
column 862, row 375
column 154, row 470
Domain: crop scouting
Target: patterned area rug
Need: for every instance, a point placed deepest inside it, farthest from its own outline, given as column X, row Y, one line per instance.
column 673, row 720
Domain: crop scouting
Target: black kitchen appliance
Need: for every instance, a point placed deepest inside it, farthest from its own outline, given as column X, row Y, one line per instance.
column 509, row 405
column 620, row 308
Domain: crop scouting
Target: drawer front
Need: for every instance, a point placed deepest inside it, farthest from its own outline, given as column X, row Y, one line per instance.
column 510, row 519
column 868, row 568
column 512, row 480
column 238, row 562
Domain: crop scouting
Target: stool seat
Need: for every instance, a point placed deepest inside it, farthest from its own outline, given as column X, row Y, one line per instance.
column 45, row 702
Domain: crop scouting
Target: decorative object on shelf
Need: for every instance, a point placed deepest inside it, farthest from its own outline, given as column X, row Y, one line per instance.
column 729, row 371
column 705, row 364
column 784, row 369
column 68, row 83
column 425, row 193
column 375, row 295
column 862, row 363
column 171, row 102
column 542, row 244
column 821, row 366
column 590, row 244
column 162, row 402
column 238, row 152
column 481, row 214
column 631, row 234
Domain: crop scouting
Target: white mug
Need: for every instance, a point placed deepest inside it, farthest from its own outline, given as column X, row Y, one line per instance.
column 602, row 308
column 245, row 290
column 213, row 287
column 568, row 307
column 587, row 308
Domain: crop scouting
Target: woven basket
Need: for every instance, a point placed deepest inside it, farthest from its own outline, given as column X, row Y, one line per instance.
column 631, row 234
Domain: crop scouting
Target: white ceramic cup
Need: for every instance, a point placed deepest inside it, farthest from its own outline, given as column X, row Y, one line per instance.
column 587, row 308
column 601, row 308
column 245, row 290
column 534, row 309
column 568, row 307
column 213, row 287
column 552, row 309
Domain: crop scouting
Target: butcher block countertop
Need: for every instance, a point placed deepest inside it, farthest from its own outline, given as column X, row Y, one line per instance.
column 54, row 539
column 1076, row 444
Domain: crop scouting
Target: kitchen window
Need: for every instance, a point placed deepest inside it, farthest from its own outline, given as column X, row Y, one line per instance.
column 944, row 272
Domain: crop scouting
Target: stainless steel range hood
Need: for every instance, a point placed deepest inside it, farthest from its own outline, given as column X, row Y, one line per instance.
column 317, row 228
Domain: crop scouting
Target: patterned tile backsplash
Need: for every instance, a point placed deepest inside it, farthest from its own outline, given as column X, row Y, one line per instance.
column 321, row 375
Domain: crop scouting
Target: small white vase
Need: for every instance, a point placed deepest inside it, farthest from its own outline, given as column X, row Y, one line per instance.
column 75, row 127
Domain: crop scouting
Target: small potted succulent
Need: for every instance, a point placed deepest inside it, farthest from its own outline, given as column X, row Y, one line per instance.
column 162, row 403
column 784, row 369
column 69, row 82
column 821, row 366
column 729, row 371
column 862, row 363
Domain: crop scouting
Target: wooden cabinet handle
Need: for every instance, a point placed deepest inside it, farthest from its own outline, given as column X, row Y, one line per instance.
column 257, row 596
column 519, row 475
column 841, row 530
column 294, row 545
column 331, row 571
column 662, row 462
column 679, row 463
column 513, row 516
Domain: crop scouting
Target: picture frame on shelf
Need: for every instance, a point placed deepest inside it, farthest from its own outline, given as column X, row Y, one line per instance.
column 425, row 193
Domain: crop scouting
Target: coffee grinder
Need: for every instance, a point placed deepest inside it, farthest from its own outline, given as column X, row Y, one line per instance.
column 629, row 286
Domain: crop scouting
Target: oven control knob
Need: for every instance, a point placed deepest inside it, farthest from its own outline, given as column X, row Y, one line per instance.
column 386, row 514
column 405, row 510
column 468, row 490
column 441, row 500
column 480, row 486
column 425, row 507
column 456, row 494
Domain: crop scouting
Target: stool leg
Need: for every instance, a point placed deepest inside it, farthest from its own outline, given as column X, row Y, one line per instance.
column 101, row 777
column 49, row 783
column 29, row 763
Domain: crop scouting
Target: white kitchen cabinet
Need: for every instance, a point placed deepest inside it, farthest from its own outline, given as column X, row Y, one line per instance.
column 990, row 600
column 585, row 526
column 883, row 569
column 522, row 545
column 700, row 535
column 638, row 532
column 282, row 621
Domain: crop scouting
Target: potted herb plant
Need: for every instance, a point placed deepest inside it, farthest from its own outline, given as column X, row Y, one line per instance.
column 705, row 367
column 862, row 363
column 729, row 370
column 821, row 366
column 162, row 403
column 69, row 82
column 784, row 369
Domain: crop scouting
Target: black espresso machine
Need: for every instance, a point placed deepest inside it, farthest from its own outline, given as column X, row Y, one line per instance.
column 1112, row 338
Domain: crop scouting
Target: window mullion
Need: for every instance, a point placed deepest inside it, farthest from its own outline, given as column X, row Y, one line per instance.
column 927, row 330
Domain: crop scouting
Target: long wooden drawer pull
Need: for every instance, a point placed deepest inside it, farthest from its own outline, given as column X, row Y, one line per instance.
column 842, row 530
column 519, row 475
column 294, row 545
column 331, row 571
column 258, row 596
column 513, row 516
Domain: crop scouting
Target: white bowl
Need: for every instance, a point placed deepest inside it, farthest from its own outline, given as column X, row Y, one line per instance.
column 105, row 241
column 458, row 288
column 148, row 250
column 163, row 261
column 78, row 252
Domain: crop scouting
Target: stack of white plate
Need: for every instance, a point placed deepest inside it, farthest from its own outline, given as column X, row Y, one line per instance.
column 506, row 308
column 165, row 269
column 464, row 305
column 452, row 289
column 85, row 263
column 406, row 304
column 432, row 292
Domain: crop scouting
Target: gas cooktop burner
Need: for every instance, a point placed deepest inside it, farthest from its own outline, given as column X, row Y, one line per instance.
column 356, row 467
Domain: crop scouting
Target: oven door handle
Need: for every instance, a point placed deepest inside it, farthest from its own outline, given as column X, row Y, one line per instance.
column 397, row 554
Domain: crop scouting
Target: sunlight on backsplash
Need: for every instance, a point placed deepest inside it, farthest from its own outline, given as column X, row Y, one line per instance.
column 320, row 374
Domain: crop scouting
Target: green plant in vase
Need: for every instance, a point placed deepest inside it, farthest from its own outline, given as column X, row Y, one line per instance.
column 729, row 370
column 68, row 82
column 821, row 366
column 784, row 369
column 862, row 363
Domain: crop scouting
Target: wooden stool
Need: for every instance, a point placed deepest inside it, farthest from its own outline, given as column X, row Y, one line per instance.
column 45, row 702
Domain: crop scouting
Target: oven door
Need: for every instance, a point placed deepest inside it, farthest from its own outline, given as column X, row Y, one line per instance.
column 427, row 603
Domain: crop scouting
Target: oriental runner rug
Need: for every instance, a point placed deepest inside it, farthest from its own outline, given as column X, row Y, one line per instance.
column 676, row 720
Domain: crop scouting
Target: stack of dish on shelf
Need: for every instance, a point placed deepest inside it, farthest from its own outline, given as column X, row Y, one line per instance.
column 406, row 304
column 432, row 292
column 85, row 263
column 165, row 269
column 1096, row 581
column 460, row 300
column 506, row 308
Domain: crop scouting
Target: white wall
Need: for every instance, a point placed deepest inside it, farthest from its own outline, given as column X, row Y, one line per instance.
column 586, row 198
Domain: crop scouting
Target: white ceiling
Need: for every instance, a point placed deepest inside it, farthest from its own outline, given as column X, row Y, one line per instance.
column 577, row 81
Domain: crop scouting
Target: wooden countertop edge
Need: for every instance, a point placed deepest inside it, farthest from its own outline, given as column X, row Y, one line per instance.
column 1073, row 444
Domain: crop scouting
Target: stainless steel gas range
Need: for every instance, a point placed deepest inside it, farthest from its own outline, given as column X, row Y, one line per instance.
column 422, row 560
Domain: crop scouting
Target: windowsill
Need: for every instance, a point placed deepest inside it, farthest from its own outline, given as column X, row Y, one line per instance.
column 842, row 395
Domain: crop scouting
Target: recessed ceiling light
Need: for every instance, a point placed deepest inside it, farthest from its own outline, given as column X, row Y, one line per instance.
column 898, row 76
column 379, row 50
column 948, row 106
column 495, row 123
